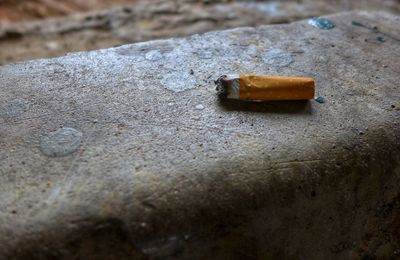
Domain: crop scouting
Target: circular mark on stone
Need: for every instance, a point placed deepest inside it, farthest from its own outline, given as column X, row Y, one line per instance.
column 178, row 81
column 153, row 55
column 277, row 57
column 320, row 99
column 61, row 142
column 12, row 110
column 199, row 107
column 321, row 23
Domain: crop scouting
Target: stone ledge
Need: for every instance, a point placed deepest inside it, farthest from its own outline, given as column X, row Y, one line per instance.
column 108, row 151
column 162, row 19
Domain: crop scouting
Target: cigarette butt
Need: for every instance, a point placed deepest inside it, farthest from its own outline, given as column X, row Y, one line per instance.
column 265, row 88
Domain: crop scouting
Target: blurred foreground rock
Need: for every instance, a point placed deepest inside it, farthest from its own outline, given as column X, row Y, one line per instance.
column 126, row 153
column 148, row 20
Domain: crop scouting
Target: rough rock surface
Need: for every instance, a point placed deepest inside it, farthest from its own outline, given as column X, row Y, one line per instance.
column 25, row 10
column 146, row 162
column 156, row 19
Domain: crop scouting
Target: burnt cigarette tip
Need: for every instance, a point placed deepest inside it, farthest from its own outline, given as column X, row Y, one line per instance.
column 221, row 88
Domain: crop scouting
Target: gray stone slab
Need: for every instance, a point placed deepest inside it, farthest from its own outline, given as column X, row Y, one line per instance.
column 127, row 153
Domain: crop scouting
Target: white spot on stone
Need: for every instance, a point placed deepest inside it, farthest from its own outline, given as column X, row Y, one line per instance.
column 62, row 142
column 199, row 107
column 277, row 57
column 171, row 104
column 153, row 55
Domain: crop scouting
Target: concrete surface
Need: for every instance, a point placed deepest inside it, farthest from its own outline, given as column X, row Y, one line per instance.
column 156, row 19
column 126, row 153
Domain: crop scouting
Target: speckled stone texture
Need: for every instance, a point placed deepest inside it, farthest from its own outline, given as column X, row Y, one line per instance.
column 161, row 169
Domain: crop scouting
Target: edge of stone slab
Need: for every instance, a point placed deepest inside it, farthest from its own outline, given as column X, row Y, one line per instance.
column 70, row 54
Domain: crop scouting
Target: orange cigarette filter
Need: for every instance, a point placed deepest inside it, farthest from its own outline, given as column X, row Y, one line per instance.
column 265, row 88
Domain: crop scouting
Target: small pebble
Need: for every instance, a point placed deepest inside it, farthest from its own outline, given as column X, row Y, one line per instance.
column 171, row 104
column 321, row 23
column 355, row 23
column 199, row 107
column 320, row 99
column 380, row 39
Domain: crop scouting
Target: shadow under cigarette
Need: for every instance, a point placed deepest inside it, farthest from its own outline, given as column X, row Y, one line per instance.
column 302, row 107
